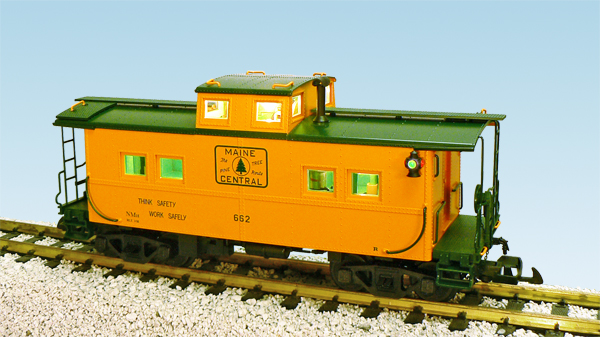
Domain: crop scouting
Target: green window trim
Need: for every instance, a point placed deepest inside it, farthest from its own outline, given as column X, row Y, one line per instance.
column 365, row 184
column 135, row 165
column 171, row 168
column 320, row 181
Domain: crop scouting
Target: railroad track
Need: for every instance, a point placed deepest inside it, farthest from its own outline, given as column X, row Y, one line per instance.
column 258, row 286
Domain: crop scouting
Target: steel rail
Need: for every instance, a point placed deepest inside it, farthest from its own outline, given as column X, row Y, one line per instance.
column 578, row 298
column 584, row 299
column 8, row 226
column 29, row 228
column 530, row 320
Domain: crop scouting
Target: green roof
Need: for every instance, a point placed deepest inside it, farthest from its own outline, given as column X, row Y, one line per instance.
column 255, row 84
column 130, row 114
column 135, row 101
column 432, row 131
column 415, row 114
column 85, row 112
column 144, row 115
column 419, row 134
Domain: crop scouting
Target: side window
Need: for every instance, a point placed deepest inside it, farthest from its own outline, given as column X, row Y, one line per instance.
column 268, row 112
column 171, row 168
column 135, row 165
column 216, row 109
column 327, row 94
column 296, row 105
column 319, row 180
column 365, row 184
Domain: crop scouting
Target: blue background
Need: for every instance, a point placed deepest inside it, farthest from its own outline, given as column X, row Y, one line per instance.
column 536, row 62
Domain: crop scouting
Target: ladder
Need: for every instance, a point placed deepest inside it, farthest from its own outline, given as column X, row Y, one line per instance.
column 66, row 180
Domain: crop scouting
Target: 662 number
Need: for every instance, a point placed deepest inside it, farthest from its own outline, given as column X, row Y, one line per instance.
column 241, row 218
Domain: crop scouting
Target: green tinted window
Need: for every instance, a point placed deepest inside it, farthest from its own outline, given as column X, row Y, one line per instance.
column 171, row 168
column 320, row 180
column 135, row 165
column 365, row 184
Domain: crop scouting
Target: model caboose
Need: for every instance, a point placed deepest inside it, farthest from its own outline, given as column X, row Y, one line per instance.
column 269, row 163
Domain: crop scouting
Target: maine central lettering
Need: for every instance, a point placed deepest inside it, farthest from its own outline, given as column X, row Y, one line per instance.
column 240, row 152
column 241, row 166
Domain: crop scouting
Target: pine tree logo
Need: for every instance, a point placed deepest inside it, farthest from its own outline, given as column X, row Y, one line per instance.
column 241, row 166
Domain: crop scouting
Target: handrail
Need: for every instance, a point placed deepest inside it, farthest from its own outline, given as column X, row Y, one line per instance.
column 437, row 165
column 279, row 85
column 87, row 188
column 255, row 72
column 482, row 161
column 320, row 74
column 64, row 183
column 417, row 240
column 437, row 220
column 459, row 185
column 212, row 81
column 82, row 102
column 59, row 188
column 478, row 227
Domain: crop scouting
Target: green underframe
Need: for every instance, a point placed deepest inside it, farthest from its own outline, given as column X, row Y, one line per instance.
column 456, row 253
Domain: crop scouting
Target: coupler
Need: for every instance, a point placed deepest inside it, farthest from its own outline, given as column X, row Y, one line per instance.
column 507, row 270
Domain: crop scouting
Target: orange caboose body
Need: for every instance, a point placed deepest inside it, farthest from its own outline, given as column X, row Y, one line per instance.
column 269, row 163
column 272, row 202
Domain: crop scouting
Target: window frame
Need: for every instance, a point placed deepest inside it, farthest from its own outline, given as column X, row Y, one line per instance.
column 166, row 180
column 364, row 197
column 285, row 106
column 205, row 102
column 123, row 167
column 274, row 113
column 301, row 113
column 202, row 120
column 328, row 94
column 331, row 96
column 317, row 193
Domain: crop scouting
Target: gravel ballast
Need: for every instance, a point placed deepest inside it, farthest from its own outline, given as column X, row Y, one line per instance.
column 39, row 301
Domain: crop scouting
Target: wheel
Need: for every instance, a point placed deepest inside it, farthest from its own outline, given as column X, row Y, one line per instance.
column 339, row 278
column 162, row 254
column 428, row 291
column 172, row 248
column 179, row 261
column 61, row 224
